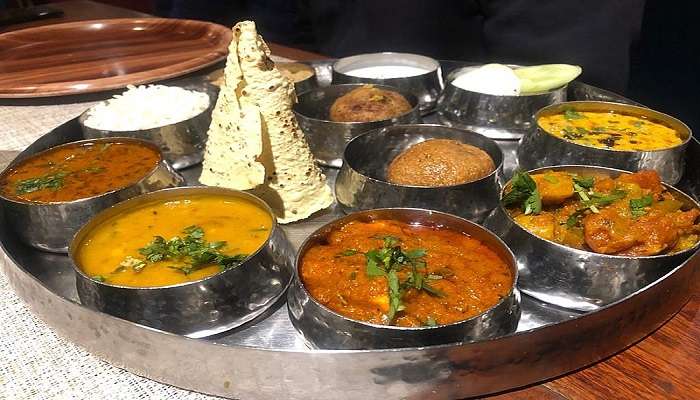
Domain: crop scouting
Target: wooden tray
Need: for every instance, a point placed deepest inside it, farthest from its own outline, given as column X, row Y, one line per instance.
column 93, row 56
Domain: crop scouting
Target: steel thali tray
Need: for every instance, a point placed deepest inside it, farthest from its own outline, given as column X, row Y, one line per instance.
column 266, row 358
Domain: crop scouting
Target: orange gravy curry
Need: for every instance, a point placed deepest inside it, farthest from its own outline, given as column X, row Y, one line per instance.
column 392, row 273
column 78, row 171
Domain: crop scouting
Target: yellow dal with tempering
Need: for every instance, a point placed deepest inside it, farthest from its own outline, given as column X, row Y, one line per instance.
column 610, row 130
column 242, row 224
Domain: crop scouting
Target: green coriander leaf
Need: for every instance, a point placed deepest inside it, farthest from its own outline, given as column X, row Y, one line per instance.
column 584, row 181
column 415, row 253
column 430, row 322
column 373, row 269
column 99, row 278
column 570, row 114
column 433, row 291
column 53, row 181
column 523, row 191
column 347, row 253
column 637, row 206
column 395, row 304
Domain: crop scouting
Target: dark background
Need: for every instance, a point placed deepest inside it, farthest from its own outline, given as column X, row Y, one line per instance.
column 646, row 50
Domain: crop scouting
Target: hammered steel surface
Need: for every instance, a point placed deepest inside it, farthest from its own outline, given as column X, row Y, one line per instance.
column 266, row 358
column 327, row 138
column 325, row 329
column 580, row 279
column 202, row 308
column 541, row 149
column 50, row 226
column 362, row 182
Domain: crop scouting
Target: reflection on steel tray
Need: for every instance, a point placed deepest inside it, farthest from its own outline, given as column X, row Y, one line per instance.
column 267, row 358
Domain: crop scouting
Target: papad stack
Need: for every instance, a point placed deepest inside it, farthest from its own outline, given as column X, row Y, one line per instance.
column 255, row 142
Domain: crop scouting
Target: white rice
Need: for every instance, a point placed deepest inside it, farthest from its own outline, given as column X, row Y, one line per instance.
column 146, row 107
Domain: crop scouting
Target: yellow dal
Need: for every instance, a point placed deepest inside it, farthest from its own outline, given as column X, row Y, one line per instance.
column 237, row 221
column 609, row 130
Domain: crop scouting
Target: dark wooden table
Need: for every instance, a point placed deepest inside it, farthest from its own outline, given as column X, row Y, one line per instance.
column 664, row 365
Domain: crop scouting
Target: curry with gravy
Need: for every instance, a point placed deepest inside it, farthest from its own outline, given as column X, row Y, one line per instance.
column 175, row 241
column 610, row 130
column 631, row 215
column 78, row 171
column 392, row 273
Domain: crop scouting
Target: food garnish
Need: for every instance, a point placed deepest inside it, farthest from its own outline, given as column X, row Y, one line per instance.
column 53, row 181
column 403, row 270
column 191, row 252
column 631, row 215
column 523, row 191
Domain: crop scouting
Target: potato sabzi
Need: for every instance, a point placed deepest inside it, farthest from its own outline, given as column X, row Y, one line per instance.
column 630, row 215
column 393, row 273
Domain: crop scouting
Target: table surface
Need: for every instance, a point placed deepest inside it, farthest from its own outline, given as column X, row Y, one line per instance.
column 666, row 364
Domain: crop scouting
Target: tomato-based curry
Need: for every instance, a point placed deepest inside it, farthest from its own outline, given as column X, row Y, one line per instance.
column 78, row 171
column 389, row 272
column 631, row 215
column 175, row 241
column 610, row 130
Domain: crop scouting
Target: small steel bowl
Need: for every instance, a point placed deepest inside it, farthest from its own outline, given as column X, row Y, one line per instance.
column 426, row 87
column 497, row 117
column 201, row 308
column 327, row 138
column 323, row 328
column 303, row 85
column 182, row 143
column 362, row 183
column 50, row 226
column 580, row 279
column 539, row 148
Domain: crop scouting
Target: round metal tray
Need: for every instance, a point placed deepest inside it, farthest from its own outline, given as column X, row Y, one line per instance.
column 266, row 358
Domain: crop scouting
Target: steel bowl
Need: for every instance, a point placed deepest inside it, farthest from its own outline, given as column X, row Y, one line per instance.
column 50, row 226
column 580, row 279
column 362, row 183
column 201, row 308
column 426, row 87
column 182, row 143
column 323, row 328
column 497, row 117
column 539, row 148
column 327, row 138
column 303, row 85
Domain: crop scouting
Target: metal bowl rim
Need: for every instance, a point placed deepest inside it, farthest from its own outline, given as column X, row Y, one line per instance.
column 512, row 263
column 586, row 252
column 110, row 139
column 633, row 110
column 433, row 61
column 312, row 69
column 455, row 186
column 408, row 96
column 85, row 229
column 83, row 116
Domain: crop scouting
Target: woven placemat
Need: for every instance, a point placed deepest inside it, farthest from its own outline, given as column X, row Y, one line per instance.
column 35, row 363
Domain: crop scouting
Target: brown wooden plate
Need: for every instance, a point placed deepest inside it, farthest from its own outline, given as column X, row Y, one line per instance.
column 97, row 55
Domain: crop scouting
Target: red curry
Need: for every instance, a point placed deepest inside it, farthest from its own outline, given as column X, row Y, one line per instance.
column 447, row 276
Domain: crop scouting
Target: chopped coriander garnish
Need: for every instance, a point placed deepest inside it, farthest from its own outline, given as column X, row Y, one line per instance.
column 430, row 321
column 347, row 253
column 523, row 190
column 390, row 259
column 638, row 206
column 192, row 250
column 570, row 114
column 53, row 181
column 99, row 278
